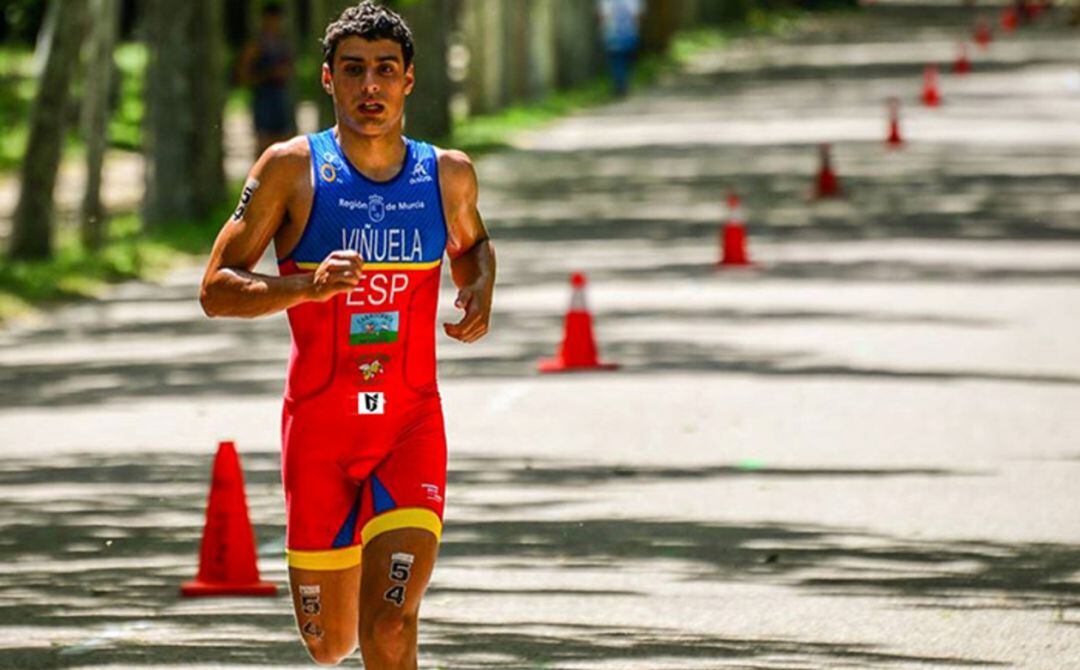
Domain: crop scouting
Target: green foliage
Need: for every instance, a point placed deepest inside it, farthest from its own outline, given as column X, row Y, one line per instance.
column 17, row 88
column 125, row 126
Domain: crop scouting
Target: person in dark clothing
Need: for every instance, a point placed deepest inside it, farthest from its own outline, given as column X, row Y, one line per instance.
column 266, row 64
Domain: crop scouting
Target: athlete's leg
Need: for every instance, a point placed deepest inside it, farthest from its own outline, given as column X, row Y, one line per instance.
column 396, row 569
column 321, row 534
column 327, row 614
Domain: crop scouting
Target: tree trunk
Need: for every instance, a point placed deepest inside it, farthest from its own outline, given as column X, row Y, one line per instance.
column 542, row 56
column 32, row 229
column 428, row 108
column 170, row 123
column 658, row 25
column 516, row 51
column 208, row 101
column 100, row 73
column 495, row 62
column 576, row 39
column 323, row 12
column 45, row 37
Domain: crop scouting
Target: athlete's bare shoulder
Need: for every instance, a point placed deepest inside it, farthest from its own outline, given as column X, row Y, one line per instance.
column 455, row 168
column 457, row 178
column 284, row 162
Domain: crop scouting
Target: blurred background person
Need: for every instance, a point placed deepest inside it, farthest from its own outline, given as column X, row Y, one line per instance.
column 620, row 25
column 266, row 65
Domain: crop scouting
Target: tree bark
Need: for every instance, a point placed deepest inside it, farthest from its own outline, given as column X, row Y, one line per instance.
column 495, row 65
column 576, row 41
column 208, row 101
column 323, row 12
column 428, row 107
column 170, row 124
column 32, row 229
column 542, row 54
column 100, row 73
column 185, row 175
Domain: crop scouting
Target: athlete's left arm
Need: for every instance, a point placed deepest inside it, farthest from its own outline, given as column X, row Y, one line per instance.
column 472, row 256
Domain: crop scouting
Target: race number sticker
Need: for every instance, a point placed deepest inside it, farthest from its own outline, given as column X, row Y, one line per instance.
column 250, row 187
column 400, row 567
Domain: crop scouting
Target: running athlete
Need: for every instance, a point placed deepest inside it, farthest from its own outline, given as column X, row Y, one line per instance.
column 360, row 217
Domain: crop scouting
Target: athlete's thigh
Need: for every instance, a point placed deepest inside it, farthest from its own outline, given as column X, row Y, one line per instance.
column 397, row 566
column 327, row 607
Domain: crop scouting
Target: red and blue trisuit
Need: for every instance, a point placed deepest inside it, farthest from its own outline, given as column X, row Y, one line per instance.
column 363, row 441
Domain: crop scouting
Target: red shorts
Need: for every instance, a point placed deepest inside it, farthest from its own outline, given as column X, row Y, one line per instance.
column 350, row 478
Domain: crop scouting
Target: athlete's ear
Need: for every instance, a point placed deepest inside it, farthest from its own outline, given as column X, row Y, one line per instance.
column 327, row 80
column 410, row 78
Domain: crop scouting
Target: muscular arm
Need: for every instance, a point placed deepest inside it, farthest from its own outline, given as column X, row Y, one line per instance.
column 230, row 287
column 472, row 256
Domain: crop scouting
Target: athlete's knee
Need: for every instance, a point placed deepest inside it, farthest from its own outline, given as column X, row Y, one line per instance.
column 329, row 652
column 388, row 634
column 326, row 647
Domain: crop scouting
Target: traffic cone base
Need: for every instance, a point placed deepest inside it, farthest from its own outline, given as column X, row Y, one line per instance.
column 1009, row 20
column 733, row 253
column 227, row 563
column 828, row 184
column 894, row 140
column 195, row 588
column 556, row 365
column 931, row 97
column 962, row 65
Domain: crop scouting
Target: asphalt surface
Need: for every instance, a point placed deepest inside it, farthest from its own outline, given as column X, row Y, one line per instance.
column 861, row 453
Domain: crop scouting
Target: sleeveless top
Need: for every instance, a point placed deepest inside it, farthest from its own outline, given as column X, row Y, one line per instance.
column 373, row 348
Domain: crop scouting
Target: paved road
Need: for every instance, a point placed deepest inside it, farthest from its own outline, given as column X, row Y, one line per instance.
column 862, row 454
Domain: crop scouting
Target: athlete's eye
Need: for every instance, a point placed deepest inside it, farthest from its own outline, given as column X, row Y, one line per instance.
column 387, row 69
column 353, row 70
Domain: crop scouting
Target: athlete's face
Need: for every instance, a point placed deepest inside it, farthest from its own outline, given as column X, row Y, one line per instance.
column 369, row 82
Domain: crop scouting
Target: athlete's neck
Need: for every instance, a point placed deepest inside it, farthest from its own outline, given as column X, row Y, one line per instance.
column 379, row 157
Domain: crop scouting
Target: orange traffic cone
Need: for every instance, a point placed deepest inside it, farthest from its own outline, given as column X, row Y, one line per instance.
column 1009, row 19
column 227, row 557
column 931, row 97
column 827, row 185
column 578, row 348
column 983, row 35
column 962, row 65
column 733, row 236
column 894, row 140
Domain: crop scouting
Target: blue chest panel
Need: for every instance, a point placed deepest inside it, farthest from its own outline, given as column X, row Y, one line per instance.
column 394, row 223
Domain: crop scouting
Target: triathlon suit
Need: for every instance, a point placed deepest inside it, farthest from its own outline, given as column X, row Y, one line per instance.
column 364, row 447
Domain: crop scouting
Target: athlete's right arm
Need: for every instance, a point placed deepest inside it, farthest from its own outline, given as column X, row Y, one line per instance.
column 230, row 287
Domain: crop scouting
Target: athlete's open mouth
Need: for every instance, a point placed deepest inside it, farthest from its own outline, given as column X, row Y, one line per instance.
column 372, row 108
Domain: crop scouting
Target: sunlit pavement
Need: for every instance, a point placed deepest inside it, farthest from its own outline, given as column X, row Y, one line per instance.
column 861, row 453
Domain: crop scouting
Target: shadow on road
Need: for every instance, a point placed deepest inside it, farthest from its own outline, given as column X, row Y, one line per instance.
column 94, row 541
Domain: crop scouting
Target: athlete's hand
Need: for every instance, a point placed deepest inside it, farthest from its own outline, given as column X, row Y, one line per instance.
column 474, row 325
column 339, row 272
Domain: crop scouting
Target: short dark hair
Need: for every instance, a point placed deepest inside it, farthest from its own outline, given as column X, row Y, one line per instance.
column 371, row 22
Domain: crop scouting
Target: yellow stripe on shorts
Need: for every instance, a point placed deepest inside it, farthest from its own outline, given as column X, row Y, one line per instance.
column 403, row 517
column 329, row 559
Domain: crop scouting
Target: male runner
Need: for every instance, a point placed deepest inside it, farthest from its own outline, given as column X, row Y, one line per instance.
column 360, row 217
